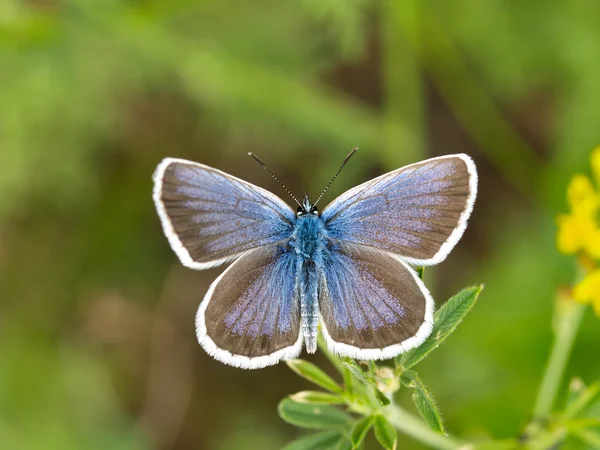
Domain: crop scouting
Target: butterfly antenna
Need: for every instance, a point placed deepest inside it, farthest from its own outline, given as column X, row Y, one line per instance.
column 336, row 174
column 257, row 159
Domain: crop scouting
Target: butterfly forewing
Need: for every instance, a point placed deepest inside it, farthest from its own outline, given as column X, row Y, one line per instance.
column 418, row 212
column 250, row 316
column 210, row 217
column 372, row 305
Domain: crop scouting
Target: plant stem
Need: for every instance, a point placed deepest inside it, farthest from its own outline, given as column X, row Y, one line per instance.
column 568, row 315
column 413, row 426
column 333, row 359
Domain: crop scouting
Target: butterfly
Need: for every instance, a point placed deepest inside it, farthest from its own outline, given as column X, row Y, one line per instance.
column 346, row 269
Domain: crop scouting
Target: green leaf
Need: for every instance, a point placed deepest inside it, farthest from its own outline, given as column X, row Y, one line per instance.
column 445, row 322
column 313, row 374
column 348, row 381
column 360, row 430
column 581, row 397
column 385, row 433
column 356, row 370
column 372, row 367
column 381, row 397
column 317, row 398
column 582, row 423
column 504, row 444
column 344, row 444
column 326, row 440
column 420, row 271
column 312, row 416
column 425, row 403
column 590, row 437
column 576, row 387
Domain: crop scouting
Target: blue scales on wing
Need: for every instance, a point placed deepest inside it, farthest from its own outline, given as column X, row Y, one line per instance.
column 250, row 316
column 416, row 213
column 211, row 217
column 372, row 305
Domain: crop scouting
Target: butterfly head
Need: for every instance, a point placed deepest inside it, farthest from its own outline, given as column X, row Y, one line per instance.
column 307, row 207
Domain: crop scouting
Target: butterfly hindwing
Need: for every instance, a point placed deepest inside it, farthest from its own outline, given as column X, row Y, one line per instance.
column 210, row 217
column 373, row 306
column 417, row 213
column 250, row 316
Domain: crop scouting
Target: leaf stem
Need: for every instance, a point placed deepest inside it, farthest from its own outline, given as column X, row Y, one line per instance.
column 568, row 315
column 413, row 426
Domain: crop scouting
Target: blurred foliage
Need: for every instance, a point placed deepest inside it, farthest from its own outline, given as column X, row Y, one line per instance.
column 96, row 317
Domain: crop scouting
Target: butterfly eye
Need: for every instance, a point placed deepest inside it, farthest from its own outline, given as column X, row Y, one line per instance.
column 314, row 211
column 299, row 211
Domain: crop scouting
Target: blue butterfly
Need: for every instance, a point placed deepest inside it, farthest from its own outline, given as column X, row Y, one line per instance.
column 346, row 269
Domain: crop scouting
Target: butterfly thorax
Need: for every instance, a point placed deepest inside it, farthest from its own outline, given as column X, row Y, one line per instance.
column 308, row 236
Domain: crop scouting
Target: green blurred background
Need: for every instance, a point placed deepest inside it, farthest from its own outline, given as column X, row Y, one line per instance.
column 97, row 344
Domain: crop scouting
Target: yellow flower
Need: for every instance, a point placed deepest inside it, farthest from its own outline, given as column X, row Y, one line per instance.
column 588, row 290
column 579, row 231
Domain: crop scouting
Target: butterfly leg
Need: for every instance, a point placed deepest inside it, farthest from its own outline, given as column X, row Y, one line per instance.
column 307, row 282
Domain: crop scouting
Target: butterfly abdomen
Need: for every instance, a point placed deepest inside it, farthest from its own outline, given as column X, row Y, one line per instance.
column 309, row 302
